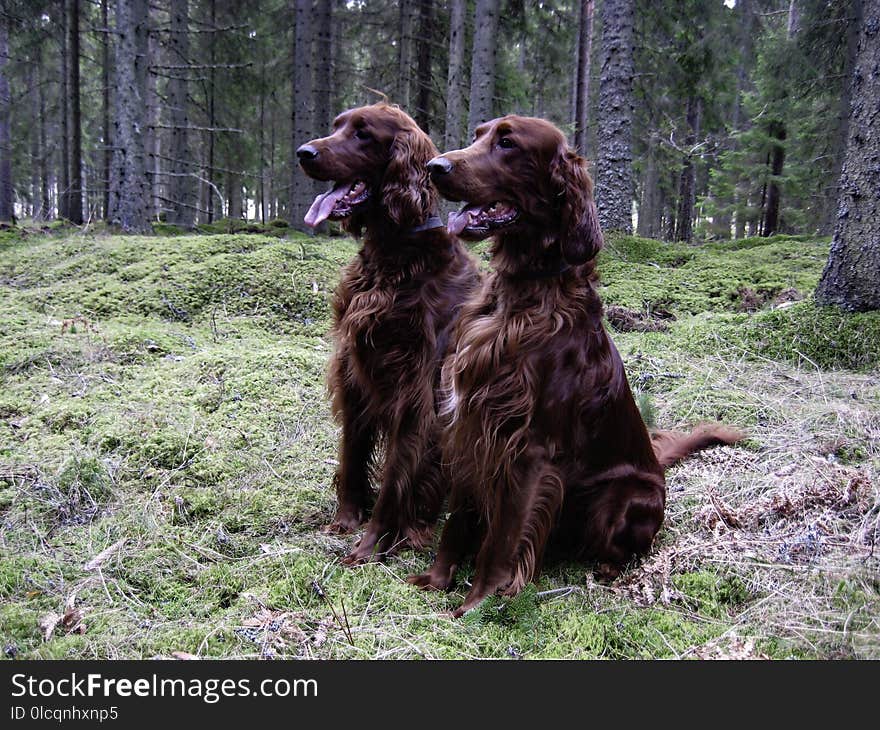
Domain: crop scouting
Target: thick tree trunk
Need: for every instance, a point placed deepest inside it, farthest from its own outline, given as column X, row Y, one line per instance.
column 423, row 76
column 324, row 111
column 302, row 188
column 130, row 197
column 404, row 53
column 455, row 76
column 153, row 134
column 582, row 94
column 614, row 186
column 181, row 187
column 777, row 161
column 105, row 111
column 75, row 197
column 842, row 131
column 7, row 212
column 851, row 279
column 483, row 63
column 684, row 230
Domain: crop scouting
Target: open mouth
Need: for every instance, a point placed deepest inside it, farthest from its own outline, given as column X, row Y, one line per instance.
column 337, row 203
column 479, row 221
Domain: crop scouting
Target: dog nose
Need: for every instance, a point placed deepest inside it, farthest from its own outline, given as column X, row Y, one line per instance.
column 439, row 166
column 307, row 152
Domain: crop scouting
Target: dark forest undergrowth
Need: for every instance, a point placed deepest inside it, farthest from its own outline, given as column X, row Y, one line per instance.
column 166, row 453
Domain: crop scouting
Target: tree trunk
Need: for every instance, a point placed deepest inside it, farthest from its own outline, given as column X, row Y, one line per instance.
column 423, row 76
column 153, row 133
column 582, row 94
column 105, row 116
column 684, row 230
column 209, row 172
column 64, row 114
column 324, row 112
column 302, row 188
column 454, row 79
column 34, row 134
column 483, row 64
column 851, row 279
column 614, row 186
column 777, row 160
column 129, row 198
column 7, row 212
column 181, row 188
column 75, row 197
column 404, row 53
column 648, row 208
column 841, row 133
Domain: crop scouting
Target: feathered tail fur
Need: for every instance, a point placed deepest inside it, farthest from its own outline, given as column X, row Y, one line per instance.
column 673, row 446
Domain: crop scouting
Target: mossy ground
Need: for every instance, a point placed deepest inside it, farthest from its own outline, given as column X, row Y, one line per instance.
column 166, row 453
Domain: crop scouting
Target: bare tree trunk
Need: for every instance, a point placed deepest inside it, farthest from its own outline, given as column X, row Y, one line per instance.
column 423, row 76
column 273, row 207
column 482, row 101
column 684, row 230
column 64, row 114
column 153, row 133
column 452, row 135
column 648, row 206
column 851, row 279
column 129, row 198
column 777, row 160
column 841, row 133
column 614, row 186
column 34, row 135
column 404, row 53
column 181, row 188
column 582, row 95
column 105, row 79
column 75, row 197
column 323, row 65
column 7, row 212
column 209, row 173
column 302, row 188
column 45, row 199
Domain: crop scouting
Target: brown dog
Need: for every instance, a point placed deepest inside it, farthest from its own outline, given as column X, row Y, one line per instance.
column 393, row 312
column 544, row 439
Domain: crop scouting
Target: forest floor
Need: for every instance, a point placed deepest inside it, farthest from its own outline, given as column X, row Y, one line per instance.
column 166, row 454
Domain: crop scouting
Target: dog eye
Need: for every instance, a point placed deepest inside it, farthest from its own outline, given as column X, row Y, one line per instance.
column 506, row 143
column 362, row 134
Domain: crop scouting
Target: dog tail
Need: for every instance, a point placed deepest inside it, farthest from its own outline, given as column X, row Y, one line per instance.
column 671, row 447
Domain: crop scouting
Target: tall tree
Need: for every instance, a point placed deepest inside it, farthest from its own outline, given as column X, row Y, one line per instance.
column 75, row 195
column 181, row 190
column 131, row 187
column 582, row 80
column 482, row 101
column 105, row 108
column 64, row 114
column 851, row 279
column 302, row 188
column 454, row 103
column 7, row 212
column 614, row 185
column 323, row 65
column 423, row 74
column 404, row 52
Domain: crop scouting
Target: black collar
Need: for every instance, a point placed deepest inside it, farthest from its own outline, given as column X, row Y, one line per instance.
column 432, row 223
column 559, row 268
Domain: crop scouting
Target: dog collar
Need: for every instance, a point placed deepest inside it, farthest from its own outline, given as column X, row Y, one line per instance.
column 432, row 223
column 548, row 273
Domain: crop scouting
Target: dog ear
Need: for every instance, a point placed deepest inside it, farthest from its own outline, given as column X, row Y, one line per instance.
column 581, row 237
column 407, row 193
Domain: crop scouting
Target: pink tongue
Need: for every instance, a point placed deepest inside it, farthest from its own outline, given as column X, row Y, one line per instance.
column 324, row 204
column 458, row 220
